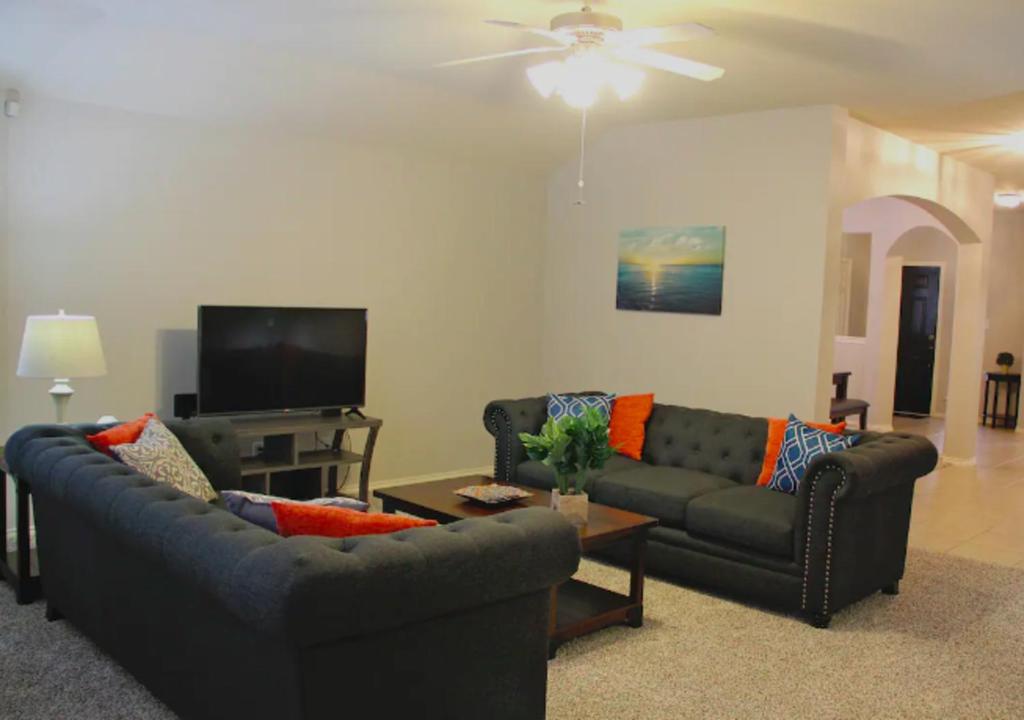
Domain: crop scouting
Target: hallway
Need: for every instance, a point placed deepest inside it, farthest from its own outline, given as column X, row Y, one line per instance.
column 973, row 512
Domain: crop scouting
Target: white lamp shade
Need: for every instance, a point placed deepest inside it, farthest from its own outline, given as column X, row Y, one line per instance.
column 61, row 346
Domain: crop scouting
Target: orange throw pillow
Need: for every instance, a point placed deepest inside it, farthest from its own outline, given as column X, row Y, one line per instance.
column 628, row 423
column 776, row 433
column 299, row 519
column 128, row 432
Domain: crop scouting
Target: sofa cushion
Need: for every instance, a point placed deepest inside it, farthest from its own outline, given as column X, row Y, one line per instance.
column 160, row 455
column 574, row 405
column 752, row 517
column 730, row 446
column 536, row 474
column 304, row 519
column 628, row 424
column 127, row 432
column 256, row 507
column 661, row 492
column 801, row 445
column 777, row 434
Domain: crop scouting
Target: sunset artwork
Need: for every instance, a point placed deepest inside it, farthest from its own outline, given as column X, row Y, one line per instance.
column 677, row 270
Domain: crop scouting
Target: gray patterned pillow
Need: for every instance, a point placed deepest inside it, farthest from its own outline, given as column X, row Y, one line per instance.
column 160, row 455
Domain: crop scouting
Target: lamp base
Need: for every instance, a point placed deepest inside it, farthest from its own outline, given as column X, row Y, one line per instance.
column 61, row 393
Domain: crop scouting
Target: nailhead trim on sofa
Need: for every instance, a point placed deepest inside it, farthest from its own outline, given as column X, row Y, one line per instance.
column 828, row 540
column 498, row 474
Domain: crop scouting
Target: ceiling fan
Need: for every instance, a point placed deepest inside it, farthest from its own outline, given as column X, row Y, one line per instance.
column 601, row 52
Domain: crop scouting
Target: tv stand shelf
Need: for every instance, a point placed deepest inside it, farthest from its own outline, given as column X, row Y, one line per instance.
column 258, row 465
column 281, row 454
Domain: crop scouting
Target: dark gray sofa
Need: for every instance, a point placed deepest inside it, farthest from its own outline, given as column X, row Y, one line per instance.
column 841, row 538
column 222, row 619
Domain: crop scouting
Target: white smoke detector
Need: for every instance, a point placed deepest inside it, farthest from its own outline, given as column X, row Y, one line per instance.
column 12, row 103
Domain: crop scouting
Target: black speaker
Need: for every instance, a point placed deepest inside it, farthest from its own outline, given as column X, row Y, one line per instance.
column 185, row 405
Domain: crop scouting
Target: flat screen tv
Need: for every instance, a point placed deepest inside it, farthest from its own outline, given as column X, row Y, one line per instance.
column 277, row 359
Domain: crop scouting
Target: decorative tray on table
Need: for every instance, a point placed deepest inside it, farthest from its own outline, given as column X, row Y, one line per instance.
column 492, row 494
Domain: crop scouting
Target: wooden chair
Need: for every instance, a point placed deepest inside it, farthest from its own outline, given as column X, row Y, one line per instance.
column 843, row 406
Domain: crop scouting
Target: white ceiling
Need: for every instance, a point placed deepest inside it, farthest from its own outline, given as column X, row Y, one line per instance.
column 364, row 67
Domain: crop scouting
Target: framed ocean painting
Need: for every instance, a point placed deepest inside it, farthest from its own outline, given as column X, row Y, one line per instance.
column 678, row 270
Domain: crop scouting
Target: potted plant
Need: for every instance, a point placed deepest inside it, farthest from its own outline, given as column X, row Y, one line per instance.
column 571, row 446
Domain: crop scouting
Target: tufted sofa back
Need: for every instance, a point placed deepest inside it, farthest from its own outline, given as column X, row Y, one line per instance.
column 310, row 589
column 730, row 446
column 211, row 442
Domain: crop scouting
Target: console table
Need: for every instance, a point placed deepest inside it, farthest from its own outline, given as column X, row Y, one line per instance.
column 17, row 569
column 280, row 438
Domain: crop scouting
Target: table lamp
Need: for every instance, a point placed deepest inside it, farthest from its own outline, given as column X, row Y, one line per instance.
column 61, row 347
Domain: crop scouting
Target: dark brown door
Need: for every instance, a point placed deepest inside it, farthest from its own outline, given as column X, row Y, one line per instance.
column 915, row 358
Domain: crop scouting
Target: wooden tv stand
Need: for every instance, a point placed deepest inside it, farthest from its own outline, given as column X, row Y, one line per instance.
column 280, row 437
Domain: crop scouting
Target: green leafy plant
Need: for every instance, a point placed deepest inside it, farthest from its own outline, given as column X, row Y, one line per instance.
column 571, row 446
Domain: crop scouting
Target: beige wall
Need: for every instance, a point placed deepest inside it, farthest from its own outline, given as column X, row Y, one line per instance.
column 137, row 220
column 879, row 163
column 5, row 367
column 1005, row 327
column 896, row 228
column 856, row 250
column 765, row 176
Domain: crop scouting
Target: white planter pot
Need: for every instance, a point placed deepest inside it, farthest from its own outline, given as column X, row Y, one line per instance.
column 573, row 507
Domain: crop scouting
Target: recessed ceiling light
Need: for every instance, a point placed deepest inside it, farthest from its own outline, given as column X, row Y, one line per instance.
column 1009, row 200
column 1013, row 142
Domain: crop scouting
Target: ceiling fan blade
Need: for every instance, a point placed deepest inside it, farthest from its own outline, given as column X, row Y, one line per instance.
column 561, row 38
column 669, row 63
column 656, row 35
column 498, row 56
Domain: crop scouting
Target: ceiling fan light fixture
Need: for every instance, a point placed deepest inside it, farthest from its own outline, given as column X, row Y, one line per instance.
column 625, row 80
column 579, row 79
column 546, row 77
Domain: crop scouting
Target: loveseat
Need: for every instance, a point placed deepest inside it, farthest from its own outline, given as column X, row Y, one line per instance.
column 222, row 619
column 842, row 537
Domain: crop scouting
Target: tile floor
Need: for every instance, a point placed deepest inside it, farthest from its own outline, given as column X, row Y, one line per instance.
column 973, row 512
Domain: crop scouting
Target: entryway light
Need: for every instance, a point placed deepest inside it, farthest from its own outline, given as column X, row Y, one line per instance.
column 1013, row 142
column 1009, row 200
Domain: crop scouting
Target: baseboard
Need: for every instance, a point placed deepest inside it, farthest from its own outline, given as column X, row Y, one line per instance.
column 958, row 461
column 880, row 428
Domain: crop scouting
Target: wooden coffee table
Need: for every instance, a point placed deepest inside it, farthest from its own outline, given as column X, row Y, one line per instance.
column 577, row 607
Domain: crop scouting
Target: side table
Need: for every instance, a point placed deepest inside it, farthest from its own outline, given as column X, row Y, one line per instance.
column 16, row 568
column 1008, row 418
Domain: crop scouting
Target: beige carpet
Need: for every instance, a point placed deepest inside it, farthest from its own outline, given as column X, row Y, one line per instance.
column 950, row 646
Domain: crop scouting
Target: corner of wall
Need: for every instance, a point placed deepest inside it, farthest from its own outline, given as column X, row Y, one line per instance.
column 833, row 241
column 4, row 284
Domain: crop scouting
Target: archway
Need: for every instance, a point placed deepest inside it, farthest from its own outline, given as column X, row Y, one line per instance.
column 897, row 226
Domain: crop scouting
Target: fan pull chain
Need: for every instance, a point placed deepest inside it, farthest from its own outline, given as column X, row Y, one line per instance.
column 583, row 150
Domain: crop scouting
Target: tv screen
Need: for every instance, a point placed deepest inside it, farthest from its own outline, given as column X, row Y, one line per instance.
column 265, row 359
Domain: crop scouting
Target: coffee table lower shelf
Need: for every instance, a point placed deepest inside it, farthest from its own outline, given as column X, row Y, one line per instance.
column 579, row 608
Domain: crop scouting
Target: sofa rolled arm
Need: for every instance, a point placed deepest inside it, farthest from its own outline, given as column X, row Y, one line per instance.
column 878, row 463
column 505, row 419
column 854, row 515
column 313, row 590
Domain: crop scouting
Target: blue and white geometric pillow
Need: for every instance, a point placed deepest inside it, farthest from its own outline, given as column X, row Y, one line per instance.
column 800, row 446
column 560, row 406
